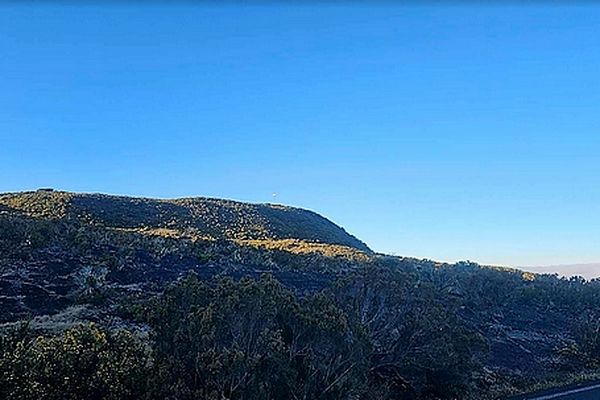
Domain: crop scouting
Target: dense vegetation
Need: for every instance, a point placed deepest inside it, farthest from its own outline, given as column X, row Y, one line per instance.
column 376, row 333
column 369, row 337
column 139, row 298
column 85, row 362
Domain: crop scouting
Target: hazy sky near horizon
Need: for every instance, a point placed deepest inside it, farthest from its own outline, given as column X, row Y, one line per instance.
column 445, row 131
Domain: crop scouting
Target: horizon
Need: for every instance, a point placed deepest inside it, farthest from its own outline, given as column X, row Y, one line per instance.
column 420, row 135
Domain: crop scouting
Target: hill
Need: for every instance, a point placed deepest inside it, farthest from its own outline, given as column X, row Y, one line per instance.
column 55, row 245
column 201, row 217
column 588, row 270
column 413, row 329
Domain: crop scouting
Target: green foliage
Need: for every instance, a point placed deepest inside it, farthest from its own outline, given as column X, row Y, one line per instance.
column 416, row 340
column 251, row 339
column 368, row 337
column 84, row 363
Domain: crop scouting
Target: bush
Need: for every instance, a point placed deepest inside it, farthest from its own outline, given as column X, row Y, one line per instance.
column 86, row 362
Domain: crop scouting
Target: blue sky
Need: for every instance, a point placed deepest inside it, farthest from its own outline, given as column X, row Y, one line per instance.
column 445, row 131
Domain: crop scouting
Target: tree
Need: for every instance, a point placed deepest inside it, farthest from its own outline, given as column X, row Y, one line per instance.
column 84, row 362
column 418, row 344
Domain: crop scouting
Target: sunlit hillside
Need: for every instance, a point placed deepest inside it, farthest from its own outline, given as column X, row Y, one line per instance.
column 412, row 329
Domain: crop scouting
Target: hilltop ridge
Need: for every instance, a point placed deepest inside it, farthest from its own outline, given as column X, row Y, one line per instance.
column 209, row 218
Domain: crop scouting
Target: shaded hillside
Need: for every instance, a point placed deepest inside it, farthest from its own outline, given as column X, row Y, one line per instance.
column 58, row 249
column 412, row 329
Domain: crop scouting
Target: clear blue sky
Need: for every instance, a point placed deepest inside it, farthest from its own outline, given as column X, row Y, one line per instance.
column 447, row 132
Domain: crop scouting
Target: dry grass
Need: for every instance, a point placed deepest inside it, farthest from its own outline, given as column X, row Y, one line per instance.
column 296, row 246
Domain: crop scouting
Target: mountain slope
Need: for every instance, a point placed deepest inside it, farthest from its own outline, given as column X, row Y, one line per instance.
column 206, row 217
column 588, row 270
column 67, row 258
column 58, row 248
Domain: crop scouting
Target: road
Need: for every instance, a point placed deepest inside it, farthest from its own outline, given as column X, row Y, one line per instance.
column 591, row 392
